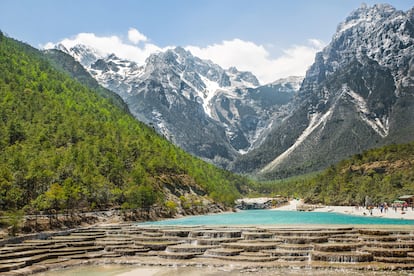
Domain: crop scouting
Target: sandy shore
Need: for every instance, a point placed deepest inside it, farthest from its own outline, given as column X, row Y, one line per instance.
column 357, row 211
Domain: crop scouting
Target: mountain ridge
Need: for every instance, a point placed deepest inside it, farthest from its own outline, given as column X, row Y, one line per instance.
column 351, row 98
column 355, row 96
column 213, row 113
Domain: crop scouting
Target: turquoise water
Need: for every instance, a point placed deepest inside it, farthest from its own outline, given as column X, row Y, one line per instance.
column 272, row 217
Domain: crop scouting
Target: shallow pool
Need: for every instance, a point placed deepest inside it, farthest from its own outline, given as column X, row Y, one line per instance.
column 127, row 270
column 274, row 217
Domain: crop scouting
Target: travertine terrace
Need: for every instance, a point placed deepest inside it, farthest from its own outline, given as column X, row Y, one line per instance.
column 386, row 248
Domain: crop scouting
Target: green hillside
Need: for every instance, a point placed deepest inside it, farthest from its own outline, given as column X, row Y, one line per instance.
column 65, row 146
column 382, row 174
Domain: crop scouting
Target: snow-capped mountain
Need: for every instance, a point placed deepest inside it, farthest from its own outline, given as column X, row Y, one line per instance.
column 214, row 113
column 359, row 93
column 248, row 113
column 81, row 53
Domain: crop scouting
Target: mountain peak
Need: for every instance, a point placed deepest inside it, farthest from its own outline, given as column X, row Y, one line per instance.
column 354, row 96
column 380, row 32
column 242, row 78
column 232, row 70
column 366, row 15
column 378, row 10
column 181, row 51
column 293, row 83
column 84, row 54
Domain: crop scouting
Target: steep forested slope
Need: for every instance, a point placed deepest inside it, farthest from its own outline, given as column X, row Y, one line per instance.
column 63, row 145
column 67, row 64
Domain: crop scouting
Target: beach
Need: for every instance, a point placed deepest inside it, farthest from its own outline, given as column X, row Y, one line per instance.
column 353, row 210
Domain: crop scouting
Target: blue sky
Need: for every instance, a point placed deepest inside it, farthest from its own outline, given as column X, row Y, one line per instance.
column 271, row 28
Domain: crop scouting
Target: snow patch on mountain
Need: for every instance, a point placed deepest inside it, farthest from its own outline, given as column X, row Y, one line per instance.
column 288, row 84
column 81, row 53
column 381, row 126
column 211, row 89
column 258, row 136
column 315, row 120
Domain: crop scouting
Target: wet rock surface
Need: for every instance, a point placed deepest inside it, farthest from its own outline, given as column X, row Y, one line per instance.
column 353, row 248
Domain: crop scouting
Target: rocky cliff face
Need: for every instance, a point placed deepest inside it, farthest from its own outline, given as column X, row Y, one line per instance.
column 356, row 95
column 213, row 113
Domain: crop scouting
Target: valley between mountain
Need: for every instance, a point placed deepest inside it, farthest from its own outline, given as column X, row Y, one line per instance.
column 85, row 130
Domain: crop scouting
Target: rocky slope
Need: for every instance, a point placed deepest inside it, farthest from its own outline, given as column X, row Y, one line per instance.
column 213, row 113
column 359, row 93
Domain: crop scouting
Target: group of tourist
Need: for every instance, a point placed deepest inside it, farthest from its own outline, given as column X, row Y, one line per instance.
column 383, row 207
column 403, row 206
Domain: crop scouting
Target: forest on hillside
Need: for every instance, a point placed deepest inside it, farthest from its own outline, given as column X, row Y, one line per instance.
column 383, row 174
column 65, row 146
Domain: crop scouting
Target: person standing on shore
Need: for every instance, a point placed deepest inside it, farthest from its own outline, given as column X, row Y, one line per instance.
column 405, row 206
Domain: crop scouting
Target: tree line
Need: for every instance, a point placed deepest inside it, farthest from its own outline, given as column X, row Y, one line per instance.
column 383, row 174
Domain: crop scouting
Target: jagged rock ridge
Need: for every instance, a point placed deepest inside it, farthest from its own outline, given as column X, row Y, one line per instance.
column 215, row 114
column 357, row 95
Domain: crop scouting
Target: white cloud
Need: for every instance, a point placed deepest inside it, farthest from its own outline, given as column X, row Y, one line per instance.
column 245, row 55
column 106, row 45
column 317, row 43
column 135, row 36
column 48, row 45
column 248, row 56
